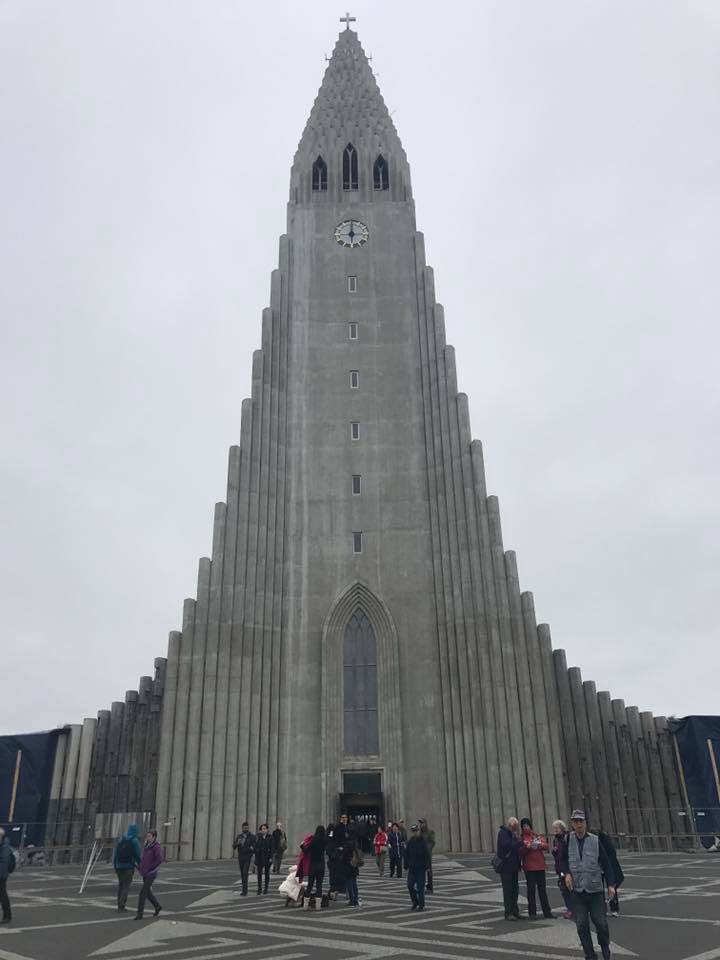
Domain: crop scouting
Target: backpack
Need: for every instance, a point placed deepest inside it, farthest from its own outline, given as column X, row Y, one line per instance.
column 12, row 862
column 126, row 851
column 496, row 863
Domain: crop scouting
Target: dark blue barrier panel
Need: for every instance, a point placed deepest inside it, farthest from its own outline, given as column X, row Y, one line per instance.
column 35, row 753
column 696, row 738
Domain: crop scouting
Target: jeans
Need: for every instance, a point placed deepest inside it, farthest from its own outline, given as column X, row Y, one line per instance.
column 125, row 878
column 511, row 891
column 277, row 861
column 416, row 886
column 147, row 894
column 5, row 900
column 395, row 866
column 536, row 881
column 244, row 871
column 380, row 861
column 263, row 870
column 591, row 906
column 316, row 877
column 352, row 891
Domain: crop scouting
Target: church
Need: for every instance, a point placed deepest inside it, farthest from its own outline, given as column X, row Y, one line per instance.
column 359, row 640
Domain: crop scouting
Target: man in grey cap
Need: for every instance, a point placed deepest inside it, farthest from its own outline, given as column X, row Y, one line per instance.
column 584, row 862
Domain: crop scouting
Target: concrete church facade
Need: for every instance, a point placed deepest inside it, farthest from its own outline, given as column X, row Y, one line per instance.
column 359, row 638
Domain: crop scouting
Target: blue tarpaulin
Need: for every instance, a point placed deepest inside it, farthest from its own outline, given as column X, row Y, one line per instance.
column 698, row 740
column 26, row 766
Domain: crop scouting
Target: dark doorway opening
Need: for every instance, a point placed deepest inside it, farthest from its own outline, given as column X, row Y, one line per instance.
column 365, row 813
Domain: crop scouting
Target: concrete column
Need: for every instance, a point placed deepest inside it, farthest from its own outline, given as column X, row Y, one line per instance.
column 192, row 738
column 640, row 761
column 502, row 647
column 152, row 741
column 533, row 747
column 67, row 790
column 660, row 803
column 97, row 766
column 127, row 731
column 56, row 787
column 80, row 833
column 488, row 656
column 627, row 766
column 599, row 759
column 671, row 779
column 138, row 769
column 207, row 723
column 582, row 727
column 117, row 711
column 177, row 770
column 540, row 709
column 615, row 781
column 552, row 701
column 167, row 728
column 569, row 733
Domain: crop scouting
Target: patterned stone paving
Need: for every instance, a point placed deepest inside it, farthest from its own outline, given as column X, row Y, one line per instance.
column 670, row 911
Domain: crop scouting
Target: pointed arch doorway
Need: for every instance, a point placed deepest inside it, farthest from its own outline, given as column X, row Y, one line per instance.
column 361, row 703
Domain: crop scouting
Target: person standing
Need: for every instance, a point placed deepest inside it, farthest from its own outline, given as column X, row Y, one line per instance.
column 585, row 862
column 279, row 846
column 508, row 853
column 560, row 836
column 402, row 830
column 351, row 860
column 263, row 857
column 126, row 857
column 152, row 857
column 429, row 836
column 417, row 863
column 532, row 855
column 396, row 849
column 244, row 843
column 380, row 842
column 7, row 865
column 316, row 869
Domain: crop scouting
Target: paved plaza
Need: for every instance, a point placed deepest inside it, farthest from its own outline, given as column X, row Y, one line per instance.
column 670, row 904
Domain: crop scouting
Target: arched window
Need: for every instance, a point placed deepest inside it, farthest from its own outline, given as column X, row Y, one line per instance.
column 319, row 174
column 381, row 173
column 350, row 168
column 360, row 688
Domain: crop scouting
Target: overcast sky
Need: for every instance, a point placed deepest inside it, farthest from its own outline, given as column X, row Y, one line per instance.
column 566, row 162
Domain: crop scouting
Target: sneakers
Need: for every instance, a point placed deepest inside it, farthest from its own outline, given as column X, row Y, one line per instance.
column 157, row 911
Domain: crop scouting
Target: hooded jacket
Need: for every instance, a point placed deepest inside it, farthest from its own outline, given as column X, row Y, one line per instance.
column 152, row 857
column 120, row 863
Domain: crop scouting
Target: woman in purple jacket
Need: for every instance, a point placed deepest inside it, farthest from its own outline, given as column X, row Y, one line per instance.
column 149, row 865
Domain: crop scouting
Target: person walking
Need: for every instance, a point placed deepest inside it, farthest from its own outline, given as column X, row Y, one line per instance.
column 585, row 862
column 380, row 842
column 152, row 857
column 244, row 843
column 417, row 863
column 560, row 836
column 7, row 865
column 279, row 846
column 263, row 857
column 396, row 849
column 316, row 870
column 351, row 860
column 508, row 853
column 126, row 856
column 532, row 856
column 429, row 836
column 402, row 830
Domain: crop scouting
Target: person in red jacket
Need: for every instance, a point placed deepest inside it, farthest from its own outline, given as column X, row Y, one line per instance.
column 532, row 855
column 381, row 849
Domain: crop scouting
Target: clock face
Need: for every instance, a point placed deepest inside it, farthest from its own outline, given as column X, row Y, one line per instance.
column 351, row 233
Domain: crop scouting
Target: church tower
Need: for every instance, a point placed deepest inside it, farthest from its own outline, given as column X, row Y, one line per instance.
column 359, row 640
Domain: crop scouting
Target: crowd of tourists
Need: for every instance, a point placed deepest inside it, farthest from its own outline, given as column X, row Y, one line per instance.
column 327, row 866
column 586, row 867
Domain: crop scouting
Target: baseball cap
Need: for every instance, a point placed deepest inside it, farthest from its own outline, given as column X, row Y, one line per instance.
column 577, row 815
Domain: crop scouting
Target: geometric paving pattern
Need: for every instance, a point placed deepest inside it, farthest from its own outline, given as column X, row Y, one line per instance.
column 670, row 907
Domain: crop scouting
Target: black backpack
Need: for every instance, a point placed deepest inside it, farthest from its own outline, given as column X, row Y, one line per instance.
column 126, row 851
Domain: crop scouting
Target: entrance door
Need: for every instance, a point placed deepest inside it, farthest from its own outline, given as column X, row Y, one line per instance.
column 365, row 813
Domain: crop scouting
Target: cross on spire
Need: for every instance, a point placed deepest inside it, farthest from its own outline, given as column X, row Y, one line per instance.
column 347, row 20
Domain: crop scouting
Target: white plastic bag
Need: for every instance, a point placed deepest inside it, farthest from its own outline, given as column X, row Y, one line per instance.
column 290, row 886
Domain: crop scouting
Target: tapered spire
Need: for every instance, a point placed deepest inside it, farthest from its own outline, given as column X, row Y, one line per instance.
column 349, row 108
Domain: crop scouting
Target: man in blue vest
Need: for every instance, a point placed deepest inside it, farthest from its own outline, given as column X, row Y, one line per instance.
column 583, row 863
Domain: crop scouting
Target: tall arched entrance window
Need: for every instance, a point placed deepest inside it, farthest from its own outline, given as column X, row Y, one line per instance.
column 360, row 688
